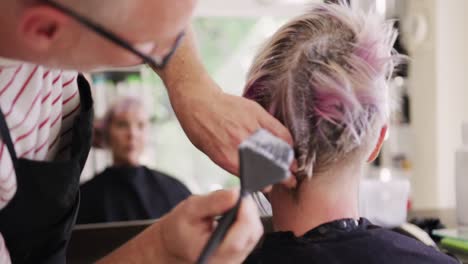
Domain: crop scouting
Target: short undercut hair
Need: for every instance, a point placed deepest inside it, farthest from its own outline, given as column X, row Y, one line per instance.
column 325, row 76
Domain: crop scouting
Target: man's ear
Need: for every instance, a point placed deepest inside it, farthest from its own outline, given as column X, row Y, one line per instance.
column 40, row 26
column 378, row 146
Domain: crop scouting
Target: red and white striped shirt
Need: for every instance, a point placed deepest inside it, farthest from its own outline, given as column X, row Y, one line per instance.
column 39, row 105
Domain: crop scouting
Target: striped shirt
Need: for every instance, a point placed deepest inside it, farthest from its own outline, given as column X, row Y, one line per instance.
column 39, row 105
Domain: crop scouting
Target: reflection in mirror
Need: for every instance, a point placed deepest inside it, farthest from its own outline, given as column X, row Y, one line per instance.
column 127, row 190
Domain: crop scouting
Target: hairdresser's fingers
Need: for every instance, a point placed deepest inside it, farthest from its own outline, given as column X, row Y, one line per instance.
column 267, row 189
column 291, row 181
column 293, row 167
column 211, row 205
column 274, row 126
column 244, row 234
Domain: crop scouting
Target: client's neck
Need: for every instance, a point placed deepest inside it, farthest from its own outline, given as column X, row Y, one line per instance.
column 324, row 198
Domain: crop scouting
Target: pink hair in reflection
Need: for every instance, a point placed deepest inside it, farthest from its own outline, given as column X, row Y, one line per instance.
column 325, row 76
column 120, row 105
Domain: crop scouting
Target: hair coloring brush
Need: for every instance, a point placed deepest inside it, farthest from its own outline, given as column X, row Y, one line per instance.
column 264, row 160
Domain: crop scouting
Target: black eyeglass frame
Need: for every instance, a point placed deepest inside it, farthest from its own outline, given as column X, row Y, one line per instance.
column 98, row 29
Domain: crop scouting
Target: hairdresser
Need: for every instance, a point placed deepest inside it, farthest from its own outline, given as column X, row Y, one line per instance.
column 46, row 114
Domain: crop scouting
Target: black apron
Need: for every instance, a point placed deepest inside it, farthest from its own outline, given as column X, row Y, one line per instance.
column 37, row 223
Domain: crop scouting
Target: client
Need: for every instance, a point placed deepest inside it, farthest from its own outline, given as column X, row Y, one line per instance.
column 325, row 76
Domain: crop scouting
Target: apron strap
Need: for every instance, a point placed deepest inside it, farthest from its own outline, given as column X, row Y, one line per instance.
column 6, row 137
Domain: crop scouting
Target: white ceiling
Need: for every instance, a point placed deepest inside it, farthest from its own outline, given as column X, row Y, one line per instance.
column 252, row 8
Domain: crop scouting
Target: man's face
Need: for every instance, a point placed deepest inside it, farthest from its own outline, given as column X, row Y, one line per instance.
column 151, row 26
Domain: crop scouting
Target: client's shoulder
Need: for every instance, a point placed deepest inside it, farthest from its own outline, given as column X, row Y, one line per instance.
column 165, row 179
column 366, row 243
column 160, row 175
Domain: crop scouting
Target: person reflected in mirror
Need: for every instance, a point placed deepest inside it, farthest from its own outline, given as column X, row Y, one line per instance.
column 127, row 190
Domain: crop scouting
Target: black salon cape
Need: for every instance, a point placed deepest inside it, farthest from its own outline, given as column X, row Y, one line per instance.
column 129, row 193
column 367, row 244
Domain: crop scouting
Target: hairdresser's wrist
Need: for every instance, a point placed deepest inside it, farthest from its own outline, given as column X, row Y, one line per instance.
column 187, row 93
column 188, row 83
column 185, row 75
column 159, row 243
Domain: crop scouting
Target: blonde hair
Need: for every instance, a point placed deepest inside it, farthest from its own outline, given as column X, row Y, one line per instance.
column 325, row 76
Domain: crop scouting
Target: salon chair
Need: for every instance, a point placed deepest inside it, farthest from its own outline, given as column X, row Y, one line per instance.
column 94, row 241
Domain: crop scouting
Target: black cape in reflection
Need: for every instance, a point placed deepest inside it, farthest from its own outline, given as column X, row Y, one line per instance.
column 129, row 193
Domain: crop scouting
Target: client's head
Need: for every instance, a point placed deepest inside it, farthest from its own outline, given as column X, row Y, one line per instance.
column 324, row 75
column 124, row 130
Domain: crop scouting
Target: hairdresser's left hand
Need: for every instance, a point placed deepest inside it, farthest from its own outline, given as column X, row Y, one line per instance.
column 215, row 122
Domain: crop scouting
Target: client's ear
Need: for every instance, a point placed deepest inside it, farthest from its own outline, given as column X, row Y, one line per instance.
column 378, row 146
column 40, row 26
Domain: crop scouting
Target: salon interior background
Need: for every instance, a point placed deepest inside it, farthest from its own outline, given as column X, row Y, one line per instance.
column 229, row 32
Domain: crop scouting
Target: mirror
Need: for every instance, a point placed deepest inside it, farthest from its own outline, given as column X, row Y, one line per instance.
column 430, row 95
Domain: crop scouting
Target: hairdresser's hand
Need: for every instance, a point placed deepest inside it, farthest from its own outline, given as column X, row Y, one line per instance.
column 180, row 236
column 215, row 122
column 185, row 231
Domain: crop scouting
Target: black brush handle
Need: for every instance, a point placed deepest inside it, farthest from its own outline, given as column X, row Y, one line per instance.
column 224, row 223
